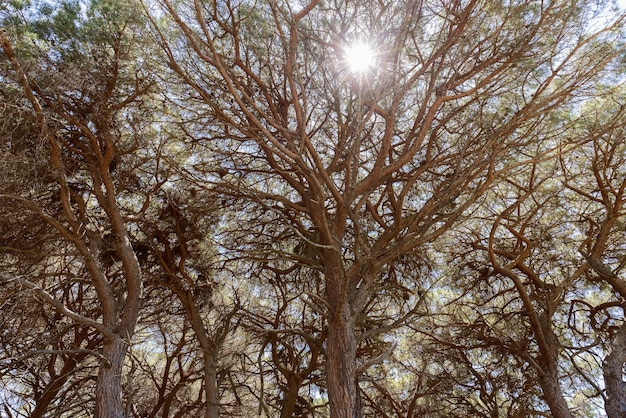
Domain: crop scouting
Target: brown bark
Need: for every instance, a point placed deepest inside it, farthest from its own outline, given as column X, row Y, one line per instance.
column 553, row 395
column 333, row 182
column 540, row 321
column 210, row 385
column 291, row 398
column 209, row 355
column 341, row 367
column 209, row 348
column 612, row 369
column 119, row 315
column 549, row 380
column 109, row 383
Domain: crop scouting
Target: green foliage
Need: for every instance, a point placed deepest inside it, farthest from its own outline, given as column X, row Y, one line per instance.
column 452, row 197
column 70, row 30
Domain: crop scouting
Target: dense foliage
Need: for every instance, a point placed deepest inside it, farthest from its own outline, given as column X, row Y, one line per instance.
column 207, row 210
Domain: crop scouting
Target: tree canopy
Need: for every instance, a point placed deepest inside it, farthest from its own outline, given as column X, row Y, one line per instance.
column 315, row 208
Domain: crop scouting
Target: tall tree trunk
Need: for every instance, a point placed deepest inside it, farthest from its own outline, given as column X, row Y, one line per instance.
column 613, row 370
column 109, row 402
column 341, row 367
column 210, row 385
column 209, row 349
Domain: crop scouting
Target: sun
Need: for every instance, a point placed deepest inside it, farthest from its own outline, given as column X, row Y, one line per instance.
column 359, row 57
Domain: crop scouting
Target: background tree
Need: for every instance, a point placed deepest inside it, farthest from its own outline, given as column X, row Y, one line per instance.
column 530, row 293
column 600, row 186
column 179, row 238
column 79, row 79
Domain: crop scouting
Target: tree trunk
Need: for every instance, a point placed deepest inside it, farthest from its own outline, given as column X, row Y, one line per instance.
column 209, row 349
column 109, row 402
column 613, row 376
column 341, row 367
column 210, row 385
column 291, row 398
column 554, row 396
column 549, row 381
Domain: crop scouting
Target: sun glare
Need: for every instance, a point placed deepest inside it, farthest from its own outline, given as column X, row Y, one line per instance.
column 359, row 57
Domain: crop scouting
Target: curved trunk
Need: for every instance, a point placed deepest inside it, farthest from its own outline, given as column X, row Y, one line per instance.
column 549, row 381
column 109, row 402
column 554, row 396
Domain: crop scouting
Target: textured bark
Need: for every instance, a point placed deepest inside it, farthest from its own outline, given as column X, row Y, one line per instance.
column 210, row 385
column 119, row 315
column 109, row 384
column 613, row 376
column 341, row 367
column 612, row 369
column 554, row 396
column 549, row 381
